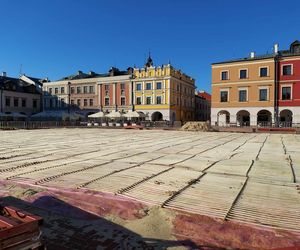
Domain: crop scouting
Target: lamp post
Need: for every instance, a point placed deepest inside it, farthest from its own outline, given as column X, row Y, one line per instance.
column 132, row 91
column 69, row 97
column 1, row 97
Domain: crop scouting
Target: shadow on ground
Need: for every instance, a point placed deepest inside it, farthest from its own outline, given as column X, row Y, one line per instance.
column 68, row 227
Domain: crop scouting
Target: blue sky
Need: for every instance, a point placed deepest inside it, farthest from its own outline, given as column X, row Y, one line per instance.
column 55, row 38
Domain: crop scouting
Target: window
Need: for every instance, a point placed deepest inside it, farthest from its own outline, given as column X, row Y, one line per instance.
column 243, row 74
column 106, row 87
column 78, row 90
column 122, row 85
column 24, row 103
column 91, row 89
column 91, row 102
column 177, row 87
column 85, row 89
column 158, row 100
column 224, row 96
column 263, row 72
column 106, row 100
column 123, row 101
column 85, row 102
column 242, row 95
column 177, row 101
column 287, row 70
column 224, row 75
column 62, row 90
column 78, row 102
column 138, row 86
column 286, row 93
column 56, row 90
column 148, row 100
column 50, row 91
column 7, row 101
column 106, row 92
column 148, row 86
column 16, row 102
column 158, row 85
column 138, row 100
column 72, row 90
column 263, row 94
column 122, row 92
column 34, row 103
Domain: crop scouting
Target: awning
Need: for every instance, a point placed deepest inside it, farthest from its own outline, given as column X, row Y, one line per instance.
column 97, row 115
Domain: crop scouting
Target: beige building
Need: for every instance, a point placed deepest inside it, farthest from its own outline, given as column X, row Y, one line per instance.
column 89, row 93
column 20, row 95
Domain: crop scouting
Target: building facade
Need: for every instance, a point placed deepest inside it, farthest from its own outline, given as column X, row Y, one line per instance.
column 158, row 93
column 258, row 90
column 243, row 91
column 289, row 85
column 20, row 95
column 72, row 93
column 115, row 91
column 202, row 106
column 163, row 93
column 89, row 93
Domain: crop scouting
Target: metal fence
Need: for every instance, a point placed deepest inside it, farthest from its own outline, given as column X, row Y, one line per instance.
column 262, row 125
column 37, row 124
column 56, row 124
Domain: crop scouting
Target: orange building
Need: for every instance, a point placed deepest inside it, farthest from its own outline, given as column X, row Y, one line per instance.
column 243, row 91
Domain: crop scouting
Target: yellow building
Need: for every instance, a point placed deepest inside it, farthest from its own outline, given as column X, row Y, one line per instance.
column 243, row 91
column 163, row 93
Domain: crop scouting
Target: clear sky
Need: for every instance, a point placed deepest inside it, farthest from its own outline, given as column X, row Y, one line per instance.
column 55, row 38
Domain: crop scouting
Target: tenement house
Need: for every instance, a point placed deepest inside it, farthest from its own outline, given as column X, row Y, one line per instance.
column 20, row 96
column 243, row 91
column 163, row 93
column 89, row 93
column 258, row 90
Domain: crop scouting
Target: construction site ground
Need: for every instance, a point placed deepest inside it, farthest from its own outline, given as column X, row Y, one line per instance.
column 155, row 189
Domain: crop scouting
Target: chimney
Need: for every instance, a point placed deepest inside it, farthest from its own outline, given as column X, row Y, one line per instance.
column 252, row 54
column 276, row 46
column 79, row 72
column 4, row 73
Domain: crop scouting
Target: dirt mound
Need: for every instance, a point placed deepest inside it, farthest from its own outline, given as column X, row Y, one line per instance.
column 196, row 126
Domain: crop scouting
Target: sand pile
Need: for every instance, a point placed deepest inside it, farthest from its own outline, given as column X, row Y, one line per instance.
column 196, row 126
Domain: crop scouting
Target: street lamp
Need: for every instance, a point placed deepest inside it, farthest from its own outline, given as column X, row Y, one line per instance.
column 69, row 96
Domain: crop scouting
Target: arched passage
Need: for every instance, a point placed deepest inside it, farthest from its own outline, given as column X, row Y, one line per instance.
column 264, row 118
column 286, row 118
column 243, row 118
column 223, row 118
column 157, row 116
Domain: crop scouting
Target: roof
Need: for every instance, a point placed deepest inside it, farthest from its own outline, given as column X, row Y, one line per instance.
column 294, row 50
column 204, row 95
column 81, row 75
column 18, row 85
column 261, row 57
